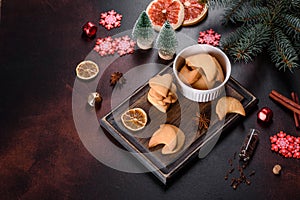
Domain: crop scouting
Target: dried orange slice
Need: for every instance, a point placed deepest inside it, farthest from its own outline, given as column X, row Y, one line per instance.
column 87, row 70
column 194, row 12
column 134, row 119
column 161, row 10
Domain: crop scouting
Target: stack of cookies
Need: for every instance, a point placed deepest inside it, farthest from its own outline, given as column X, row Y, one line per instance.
column 162, row 92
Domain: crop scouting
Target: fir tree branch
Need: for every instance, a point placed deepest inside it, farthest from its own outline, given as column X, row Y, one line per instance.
column 297, row 49
column 218, row 3
column 257, row 3
column 231, row 39
column 295, row 7
column 230, row 11
column 253, row 15
column 282, row 51
column 265, row 23
column 249, row 44
column 291, row 26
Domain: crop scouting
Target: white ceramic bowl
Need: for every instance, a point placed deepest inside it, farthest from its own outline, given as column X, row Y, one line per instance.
column 196, row 94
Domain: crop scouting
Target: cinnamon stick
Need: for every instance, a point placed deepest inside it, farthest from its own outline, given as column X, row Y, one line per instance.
column 296, row 116
column 284, row 101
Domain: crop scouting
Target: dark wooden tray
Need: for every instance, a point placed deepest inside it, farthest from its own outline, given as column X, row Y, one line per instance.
column 181, row 114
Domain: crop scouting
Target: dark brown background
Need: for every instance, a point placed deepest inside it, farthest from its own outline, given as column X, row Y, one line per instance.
column 41, row 155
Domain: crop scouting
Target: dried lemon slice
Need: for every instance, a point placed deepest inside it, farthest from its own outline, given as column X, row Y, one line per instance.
column 134, row 119
column 87, row 70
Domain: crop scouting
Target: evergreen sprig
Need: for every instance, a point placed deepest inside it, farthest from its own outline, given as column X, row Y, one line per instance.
column 270, row 24
column 282, row 51
column 246, row 42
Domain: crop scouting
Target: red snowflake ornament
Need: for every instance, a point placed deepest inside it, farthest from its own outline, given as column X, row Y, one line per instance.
column 105, row 46
column 124, row 45
column 110, row 19
column 286, row 145
column 209, row 37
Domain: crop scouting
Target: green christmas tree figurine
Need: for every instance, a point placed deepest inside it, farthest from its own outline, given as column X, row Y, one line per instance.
column 143, row 31
column 166, row 42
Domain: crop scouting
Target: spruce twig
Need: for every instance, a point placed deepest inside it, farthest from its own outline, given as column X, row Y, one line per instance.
column 282, row 51
column 271, row 24
column 247, row 43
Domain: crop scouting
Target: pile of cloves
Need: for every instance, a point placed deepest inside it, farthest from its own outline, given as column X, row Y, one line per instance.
column 242, row 177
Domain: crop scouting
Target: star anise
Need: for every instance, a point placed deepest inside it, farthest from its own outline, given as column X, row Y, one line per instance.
column 202, row 121
column 115, row 77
